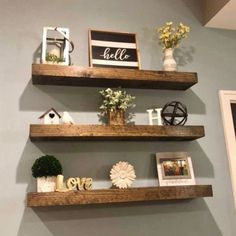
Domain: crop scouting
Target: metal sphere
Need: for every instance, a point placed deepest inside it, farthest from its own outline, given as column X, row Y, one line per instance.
column 174, row 113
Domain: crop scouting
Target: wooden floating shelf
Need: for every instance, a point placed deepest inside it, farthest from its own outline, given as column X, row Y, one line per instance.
column 114, row 133
column 118, row 195
column 44, row 74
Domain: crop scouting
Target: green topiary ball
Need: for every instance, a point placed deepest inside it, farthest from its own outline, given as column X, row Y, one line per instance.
column 46, row 166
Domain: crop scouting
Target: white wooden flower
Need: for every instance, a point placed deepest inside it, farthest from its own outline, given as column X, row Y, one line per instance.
column 122, row 174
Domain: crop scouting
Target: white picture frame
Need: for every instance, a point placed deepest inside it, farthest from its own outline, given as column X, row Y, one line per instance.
column 169, row 175
column 227, row 98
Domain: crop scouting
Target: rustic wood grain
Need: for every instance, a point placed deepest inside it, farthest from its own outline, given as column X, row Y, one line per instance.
column 111, row 77
column 118, row 195
column 116, row 132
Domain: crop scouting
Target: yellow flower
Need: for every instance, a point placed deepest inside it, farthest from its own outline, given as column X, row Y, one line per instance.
column 169, row 23
column 170, row 36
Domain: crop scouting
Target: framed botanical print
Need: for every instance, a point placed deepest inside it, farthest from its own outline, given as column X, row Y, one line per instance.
column 228, row 113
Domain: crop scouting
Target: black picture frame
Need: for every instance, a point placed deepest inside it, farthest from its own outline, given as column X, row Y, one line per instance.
column 113, row 49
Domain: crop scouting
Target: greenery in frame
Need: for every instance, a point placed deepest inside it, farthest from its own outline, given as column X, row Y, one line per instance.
column 46, row 166
column 53, row 58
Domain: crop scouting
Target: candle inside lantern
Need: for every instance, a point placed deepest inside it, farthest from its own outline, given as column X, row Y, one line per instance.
column 55, row 51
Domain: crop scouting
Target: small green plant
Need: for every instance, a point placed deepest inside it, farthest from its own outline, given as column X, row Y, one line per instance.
column 114, row 100
column 53, row 58
column 46, row 166
column 170, row 36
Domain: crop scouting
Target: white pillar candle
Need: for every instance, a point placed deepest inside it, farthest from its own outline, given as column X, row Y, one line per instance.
column 55, row 51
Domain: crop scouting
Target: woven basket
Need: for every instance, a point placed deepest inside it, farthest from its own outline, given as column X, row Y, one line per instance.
column 116, row 117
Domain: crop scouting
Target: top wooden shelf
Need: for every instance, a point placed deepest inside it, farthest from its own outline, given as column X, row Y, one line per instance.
column 43, row 74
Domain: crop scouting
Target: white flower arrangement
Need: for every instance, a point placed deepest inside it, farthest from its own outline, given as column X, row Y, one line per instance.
column 115, row 100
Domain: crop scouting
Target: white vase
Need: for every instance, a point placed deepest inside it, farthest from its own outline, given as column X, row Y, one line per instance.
column 46, row 184
column 169, row 63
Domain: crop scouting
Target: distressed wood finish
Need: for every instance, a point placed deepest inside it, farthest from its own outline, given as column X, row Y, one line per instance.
column 111, row 77
column 116, row 132
column 118, row 195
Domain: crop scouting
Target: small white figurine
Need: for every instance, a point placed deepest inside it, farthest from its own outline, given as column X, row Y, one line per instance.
column 157, row 117
column 67, row 119
column 50, row 117
column 122, row 174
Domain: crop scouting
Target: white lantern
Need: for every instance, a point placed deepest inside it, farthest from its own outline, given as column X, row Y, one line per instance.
column 55, row 46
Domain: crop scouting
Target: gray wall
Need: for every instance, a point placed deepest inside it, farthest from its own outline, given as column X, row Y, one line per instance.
column 210, row 52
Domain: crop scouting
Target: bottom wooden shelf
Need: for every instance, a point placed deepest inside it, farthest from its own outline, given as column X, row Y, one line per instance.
column 118, row 195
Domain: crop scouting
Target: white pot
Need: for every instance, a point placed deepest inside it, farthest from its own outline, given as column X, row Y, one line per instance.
column 46, row 184
column 169, row 63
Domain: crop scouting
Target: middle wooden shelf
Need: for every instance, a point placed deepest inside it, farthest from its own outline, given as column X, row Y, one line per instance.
column 114, row 133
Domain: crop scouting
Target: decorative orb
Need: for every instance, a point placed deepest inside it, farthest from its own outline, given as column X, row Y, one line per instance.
column 122, row 174
column 174, row 113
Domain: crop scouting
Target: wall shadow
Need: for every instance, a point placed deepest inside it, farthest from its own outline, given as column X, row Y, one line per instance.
column 86, row 99
column 148, row 38
column 37, row 54
column 59, row 97
column 184, row 55
column 23, row 171
column 95, row 159
column 194, row 218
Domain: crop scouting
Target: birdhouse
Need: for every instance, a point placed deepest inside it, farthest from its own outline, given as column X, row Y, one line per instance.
column 55, row 46
column 50, row 117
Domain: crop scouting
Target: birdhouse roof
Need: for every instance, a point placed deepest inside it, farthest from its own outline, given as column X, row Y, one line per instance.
column 52, row 109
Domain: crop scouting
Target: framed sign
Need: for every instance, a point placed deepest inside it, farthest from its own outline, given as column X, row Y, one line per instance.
column 174, row 168
column 113, row 49
column 228, row 113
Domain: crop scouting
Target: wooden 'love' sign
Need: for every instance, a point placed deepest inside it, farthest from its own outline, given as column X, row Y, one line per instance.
column 73, row 184
column 113, row 49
